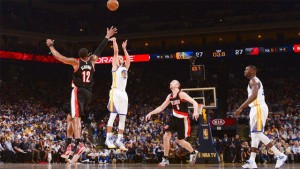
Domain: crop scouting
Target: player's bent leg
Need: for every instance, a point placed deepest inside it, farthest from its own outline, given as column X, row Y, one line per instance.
column 188, row 146
column 281, row 158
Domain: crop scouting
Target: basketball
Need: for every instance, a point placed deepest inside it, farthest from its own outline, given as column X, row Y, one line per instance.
column 112, row 5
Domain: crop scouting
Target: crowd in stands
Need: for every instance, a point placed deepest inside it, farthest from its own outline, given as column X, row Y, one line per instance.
column 33, row 112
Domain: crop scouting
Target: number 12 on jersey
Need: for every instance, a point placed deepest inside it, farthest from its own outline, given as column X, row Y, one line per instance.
column 86, row 76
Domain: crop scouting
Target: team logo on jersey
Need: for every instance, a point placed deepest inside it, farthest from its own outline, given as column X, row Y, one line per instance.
column 124, row 74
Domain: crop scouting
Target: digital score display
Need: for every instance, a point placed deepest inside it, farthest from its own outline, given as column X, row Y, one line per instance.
column 238, row 52
column 219, row 53
column 197, row 71
column 199, row 54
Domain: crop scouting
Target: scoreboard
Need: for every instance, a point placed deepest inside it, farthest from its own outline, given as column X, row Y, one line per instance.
column 197, row 72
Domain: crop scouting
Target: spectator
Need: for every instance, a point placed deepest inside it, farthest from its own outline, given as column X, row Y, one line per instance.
column 180, row 155
column 238, row 148
column 25, row 146
column 289, row 153
column 226, row 144
column 131, row 153
column 9, row 151
column 103, row 157
column 122, row 157
column 232, row 152
column 271, row 156
column 139, row 154
column 219, row 148
column 19, row 152
column 1, row 151
column 159, row 151
column 263, row 153
column 245, row 151
column 91, row 155
column 34, row 153
column 296, row 151
column 56, row 152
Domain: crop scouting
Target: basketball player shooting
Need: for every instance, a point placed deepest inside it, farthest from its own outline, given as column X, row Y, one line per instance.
column 180, row 121
column 82, row 83
column 258, row 116
column 118, row 99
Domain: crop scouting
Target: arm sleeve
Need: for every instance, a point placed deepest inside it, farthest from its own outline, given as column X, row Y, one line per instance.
column 101, row 47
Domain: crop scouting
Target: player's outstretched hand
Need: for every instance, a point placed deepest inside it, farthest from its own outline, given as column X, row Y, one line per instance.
column 195, row 116
column 124, row 44
column 49, row 42
column 148, row 117
column 110, row 32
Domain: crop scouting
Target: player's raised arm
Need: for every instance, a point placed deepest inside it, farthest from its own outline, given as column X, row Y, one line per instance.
column 116, row 54
column 109, row 33
column 159, row 108
column 186, row 97
column 58, row 56
column 127, row 61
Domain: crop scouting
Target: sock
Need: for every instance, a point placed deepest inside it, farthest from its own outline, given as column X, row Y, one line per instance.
column 193, row 152
column 120, row 136
column 276, row 151
column 69, row 141
column 166, row 157
column 77, row 141
column 252, row 156
column 108, row 136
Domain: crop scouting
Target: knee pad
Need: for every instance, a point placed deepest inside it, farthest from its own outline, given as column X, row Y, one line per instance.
column 111, row 119
column 122, row 122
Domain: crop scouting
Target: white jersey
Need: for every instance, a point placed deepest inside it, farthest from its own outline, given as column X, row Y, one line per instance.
column 260, row 100
column 119, row 80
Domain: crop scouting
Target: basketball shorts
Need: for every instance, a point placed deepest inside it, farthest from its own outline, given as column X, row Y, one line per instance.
column 81, row 99
column 118, row 102
column 258, row 117
column 180, row 125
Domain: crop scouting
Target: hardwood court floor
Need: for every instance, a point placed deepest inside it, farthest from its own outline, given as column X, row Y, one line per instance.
column 136, row 166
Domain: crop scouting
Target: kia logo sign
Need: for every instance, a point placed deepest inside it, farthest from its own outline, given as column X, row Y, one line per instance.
column 218, row 122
